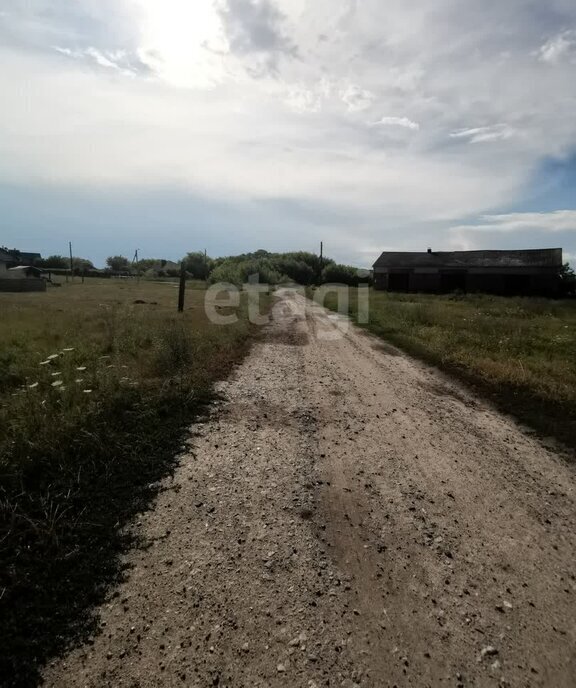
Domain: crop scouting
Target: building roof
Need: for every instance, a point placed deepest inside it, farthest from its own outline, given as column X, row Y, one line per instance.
column 26, row 270
column 528, row 258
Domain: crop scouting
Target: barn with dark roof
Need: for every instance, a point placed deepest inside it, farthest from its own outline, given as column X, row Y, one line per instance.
column 515, row 272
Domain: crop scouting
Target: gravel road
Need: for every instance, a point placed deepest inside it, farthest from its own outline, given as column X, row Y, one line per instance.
column 347, row 516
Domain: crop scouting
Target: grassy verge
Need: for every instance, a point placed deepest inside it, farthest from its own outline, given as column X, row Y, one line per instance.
column 519, row 351
column 98, row 383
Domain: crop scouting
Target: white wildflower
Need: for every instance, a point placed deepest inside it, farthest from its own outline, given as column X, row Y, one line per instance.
column 33, row 385
column 52, row 357
column 57, row 383
column 69, row 349
column 55, row 374
column 81, row 368
column 79, row 379
column 87, row 391
column 44, row 362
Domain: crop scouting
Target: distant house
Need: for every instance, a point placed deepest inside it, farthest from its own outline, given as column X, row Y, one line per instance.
column 517, row 272
column 20, row 257
column 15, row 277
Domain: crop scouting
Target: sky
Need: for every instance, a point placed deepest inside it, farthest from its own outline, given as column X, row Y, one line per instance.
column 233, row 125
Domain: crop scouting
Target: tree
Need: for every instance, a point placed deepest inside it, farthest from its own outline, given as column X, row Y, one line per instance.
column 146, row 264
column 198, row 265
column 239, row 272
column 118, row 263
column 341, row 274
column 296, row 270
column 82, row 263
column 55, row 262
column 567, row 280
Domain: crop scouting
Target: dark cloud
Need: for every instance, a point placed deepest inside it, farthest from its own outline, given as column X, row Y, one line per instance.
column 254, row 27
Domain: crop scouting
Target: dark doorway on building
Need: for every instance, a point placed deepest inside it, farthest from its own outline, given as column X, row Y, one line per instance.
column 452, row 281
column 398, row 281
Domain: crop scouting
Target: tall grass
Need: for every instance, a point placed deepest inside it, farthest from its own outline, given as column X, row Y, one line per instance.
column 98, row 385
column 520, row 351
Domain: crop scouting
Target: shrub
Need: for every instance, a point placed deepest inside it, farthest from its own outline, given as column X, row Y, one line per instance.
column 341, row 274
column 239, row 272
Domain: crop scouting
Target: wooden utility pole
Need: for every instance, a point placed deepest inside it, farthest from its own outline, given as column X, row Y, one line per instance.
column 182, row 288
column 135, row 262
column 205, row 265
column 71, row 262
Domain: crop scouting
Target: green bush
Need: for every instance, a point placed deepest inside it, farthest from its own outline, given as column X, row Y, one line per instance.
column 341, row 274
column 239, row 272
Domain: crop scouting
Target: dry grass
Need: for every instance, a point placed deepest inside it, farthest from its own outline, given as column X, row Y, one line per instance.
column 520, row 351
column 98, row 383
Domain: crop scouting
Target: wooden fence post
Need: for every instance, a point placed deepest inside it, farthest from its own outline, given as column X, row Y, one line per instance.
column 182, row 288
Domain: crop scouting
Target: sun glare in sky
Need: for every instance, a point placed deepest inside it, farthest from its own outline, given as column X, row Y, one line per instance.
column 183, row 41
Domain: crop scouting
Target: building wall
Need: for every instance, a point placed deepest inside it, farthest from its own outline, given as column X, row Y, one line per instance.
column 11, row 274
column 21, row 285
column 380, row 279
column 511, row 281
column 425, row 281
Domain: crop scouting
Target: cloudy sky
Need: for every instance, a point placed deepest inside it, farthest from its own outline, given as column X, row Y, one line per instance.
column 233, row 125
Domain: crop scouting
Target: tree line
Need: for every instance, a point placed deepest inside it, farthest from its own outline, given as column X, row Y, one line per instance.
column 300, row 267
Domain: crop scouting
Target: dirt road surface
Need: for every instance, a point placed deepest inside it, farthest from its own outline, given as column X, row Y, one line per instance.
column 347, row 517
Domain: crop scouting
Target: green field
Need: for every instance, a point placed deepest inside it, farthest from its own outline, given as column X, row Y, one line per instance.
column 98, row 383
column 519, row 351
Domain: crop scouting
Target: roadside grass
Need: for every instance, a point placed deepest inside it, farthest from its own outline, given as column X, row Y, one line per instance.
column 521, row 352
column 98, row 384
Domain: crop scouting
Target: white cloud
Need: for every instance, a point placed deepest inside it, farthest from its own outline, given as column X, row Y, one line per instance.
column 495, row 132
column 398, row 122
column 556, row 221
column 518, row 230
column 357, row 98
column 117, row 60
column 559, row 47
column 228, row 142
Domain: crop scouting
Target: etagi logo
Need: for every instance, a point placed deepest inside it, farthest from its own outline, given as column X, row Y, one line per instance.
column 328, row 306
